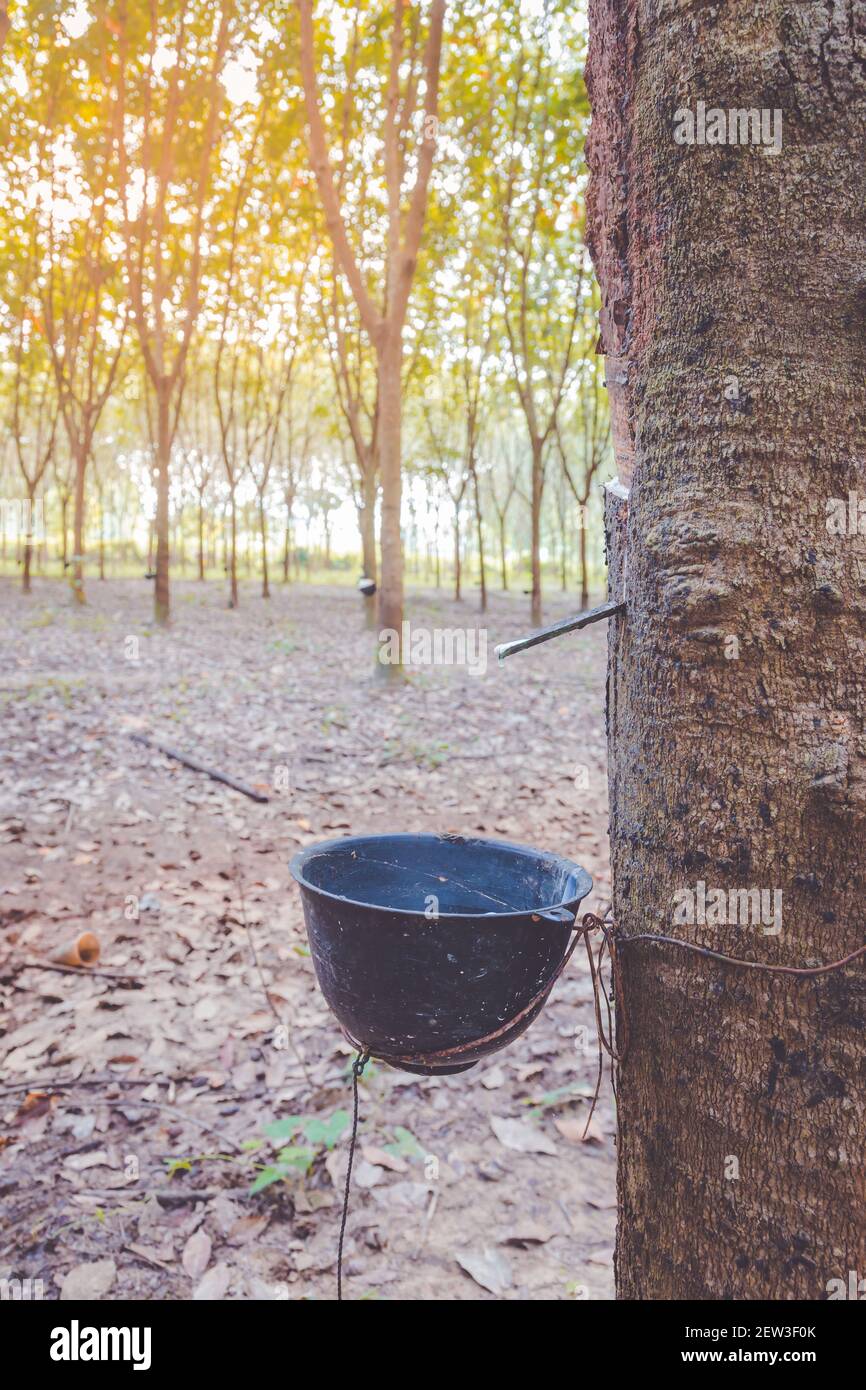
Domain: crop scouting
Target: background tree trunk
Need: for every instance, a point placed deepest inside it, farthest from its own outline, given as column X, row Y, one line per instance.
column 535, row 531
column 482, row 569
column 263, row 529
column 287, row 541
column 390, row 470
column 367, row 526
column 233, row 552
column 64, row 528
column 584, row 573
column 161, row 598
column 458, row 567
column 201, row 536
column 28, row 544
column 81, row 453
column 737, row 754
column 503, row 561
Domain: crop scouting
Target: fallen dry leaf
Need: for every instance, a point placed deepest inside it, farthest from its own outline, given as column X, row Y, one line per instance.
column 487, row 1267
column 196, row 1254
column 521, row 1137
column 384, row 1160
column 214, row 1284
column 88, row 1281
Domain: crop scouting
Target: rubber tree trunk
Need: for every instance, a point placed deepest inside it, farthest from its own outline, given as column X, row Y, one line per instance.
column 233, row 552
column 733, row 308
column 101, row 537
column 390, row 590
column 64, row 528
column 287, row 542
column 82, row 451
column 161, row 596
column 263, row 530
column 458, row 566
column 503, row 555
column 535, row 542
column 28, row 543
column 367, row 528
column 584, row 572
column 201, row 535
column 479, row 530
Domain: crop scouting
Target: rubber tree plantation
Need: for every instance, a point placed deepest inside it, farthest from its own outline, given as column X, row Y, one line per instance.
column 432, row 601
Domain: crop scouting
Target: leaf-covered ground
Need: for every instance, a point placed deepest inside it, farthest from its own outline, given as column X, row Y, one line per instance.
column 139, row 1108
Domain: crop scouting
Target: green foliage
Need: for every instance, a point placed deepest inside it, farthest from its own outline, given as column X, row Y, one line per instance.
column 320, row 1135
column 405, row 1144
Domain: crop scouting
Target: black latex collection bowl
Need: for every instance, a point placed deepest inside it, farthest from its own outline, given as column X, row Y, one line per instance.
column 433, row 951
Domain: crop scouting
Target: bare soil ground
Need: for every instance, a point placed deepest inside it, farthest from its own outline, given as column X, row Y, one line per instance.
column 133, row 1110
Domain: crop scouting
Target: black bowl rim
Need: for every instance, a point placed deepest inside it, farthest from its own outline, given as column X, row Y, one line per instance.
column 299, row 861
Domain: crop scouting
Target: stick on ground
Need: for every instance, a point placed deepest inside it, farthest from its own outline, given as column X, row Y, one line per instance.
column 196, row 766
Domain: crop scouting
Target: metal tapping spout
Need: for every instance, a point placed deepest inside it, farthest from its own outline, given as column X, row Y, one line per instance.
column 544, row 634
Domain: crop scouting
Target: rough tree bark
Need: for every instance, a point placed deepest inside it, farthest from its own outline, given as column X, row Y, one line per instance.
column 734, row 310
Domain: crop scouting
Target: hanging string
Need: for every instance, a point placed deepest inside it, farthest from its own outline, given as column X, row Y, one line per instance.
column 612, row 942
column 358, row 1066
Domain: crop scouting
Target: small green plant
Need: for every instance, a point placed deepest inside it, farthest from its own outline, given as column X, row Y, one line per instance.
column 565, row 1095
column 405, row 1144
column 319, row 1134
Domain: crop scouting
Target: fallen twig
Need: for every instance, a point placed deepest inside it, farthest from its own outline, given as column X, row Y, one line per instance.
column 83, row 970
column 162, row 1194
column 195, row 766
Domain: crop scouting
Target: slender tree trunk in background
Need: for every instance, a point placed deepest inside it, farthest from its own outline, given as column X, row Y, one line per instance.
column 384, row 327
column 64, row 528
column 458, row 569
column 263, row 528
column 503, row 563
column 233, row 552
column 287, row 543
column 367, row 525
column 733, row 306
column 390, row 360
column 28, row 545
column 584, row 575
column 81, row 454
column 482, row 572
column 161, row 597
column 201, row 535
column 537, row 494
column 101, row 536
